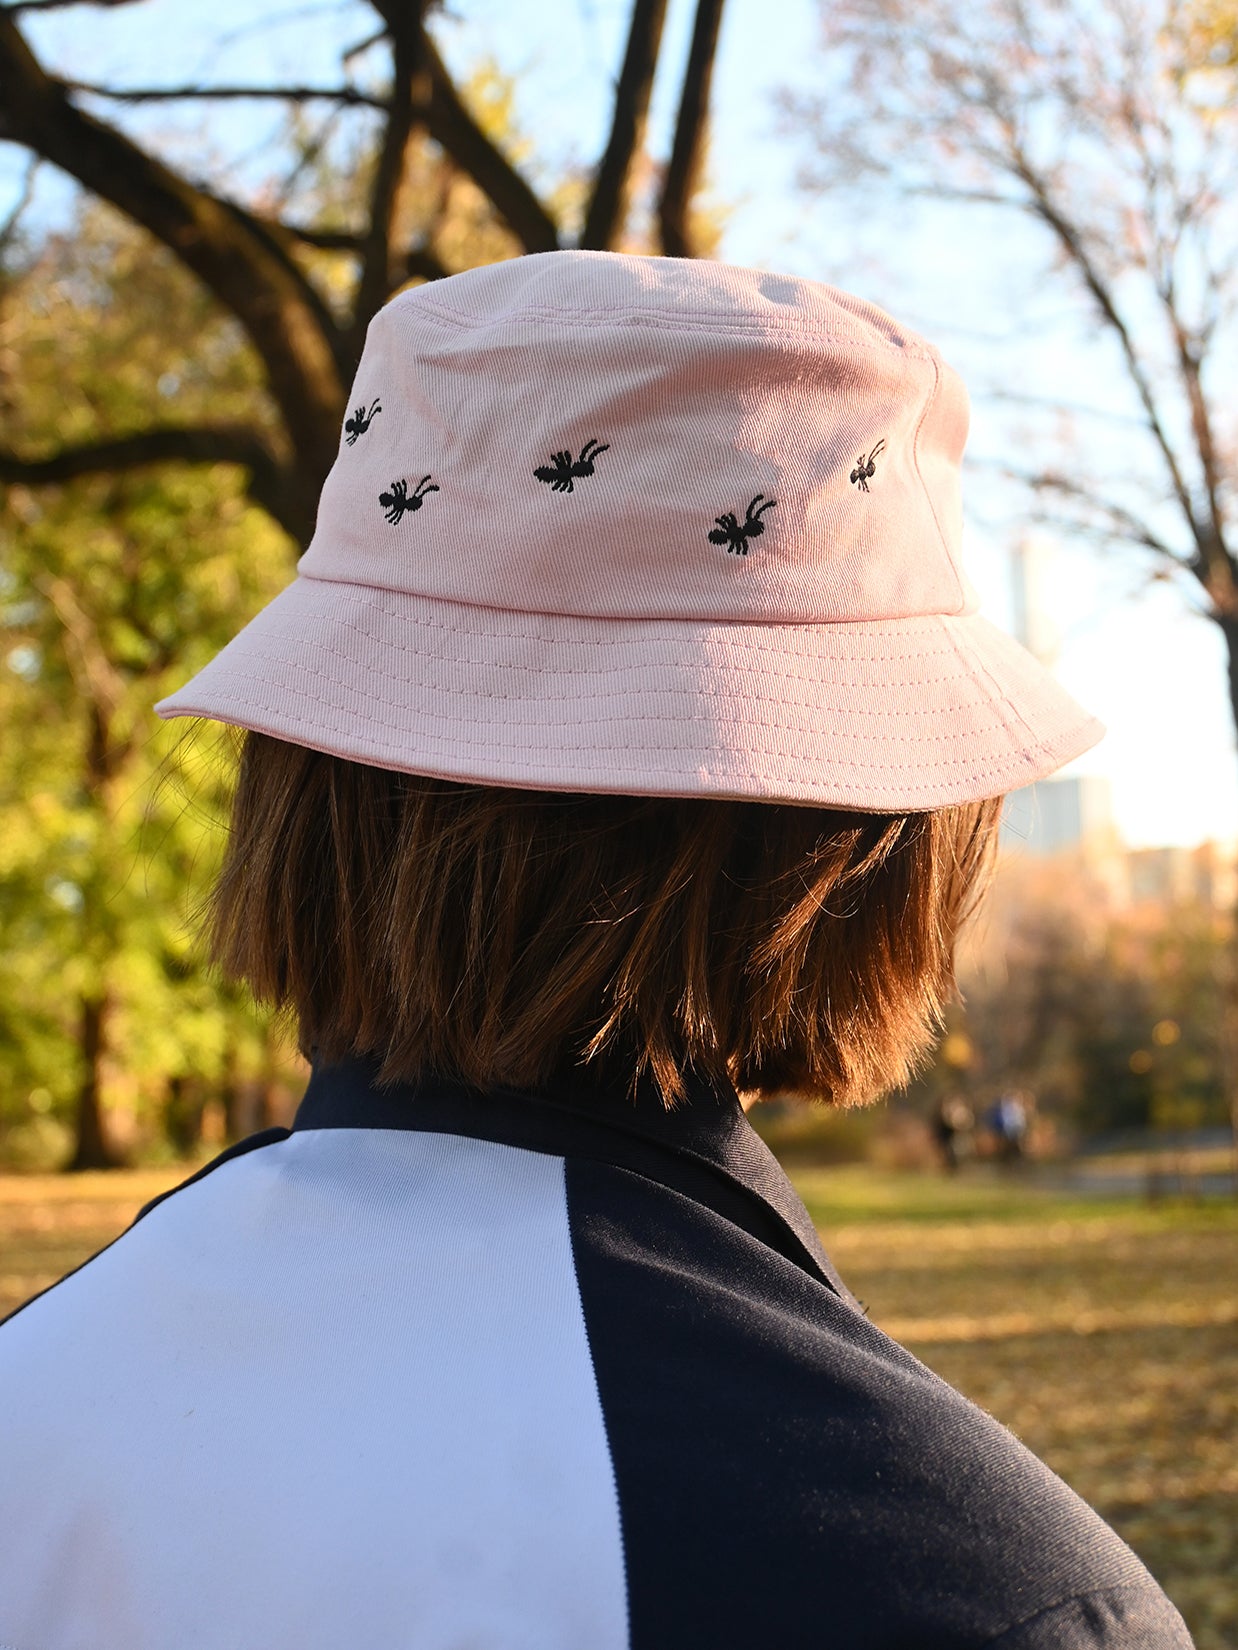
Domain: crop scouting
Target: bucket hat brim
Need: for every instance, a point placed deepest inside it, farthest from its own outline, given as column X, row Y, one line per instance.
column 881, row 715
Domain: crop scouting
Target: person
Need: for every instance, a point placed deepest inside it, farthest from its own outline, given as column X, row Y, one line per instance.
column 628, row 745
column 1008, row 1123
column 953, row 1122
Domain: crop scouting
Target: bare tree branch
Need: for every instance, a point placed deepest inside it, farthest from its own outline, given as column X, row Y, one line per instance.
column 451, row 124
column 419, row 261
column 277, row 241
column 310, row 153
column 261, row 287
column 96, row 678
column 322, row 240
column 977, row 197
column 350, row 96
column 1210, row 537
column 272, row 485
column 1074, row 409
column 185, row 443
column 364, row 45
column 8, row 229
column 253, row 261
column 1051, row 213
column 604, row 217
column 1083, row 120
column 409, row 93
column 1122, row 522
column 16, row 6
column 687, row 150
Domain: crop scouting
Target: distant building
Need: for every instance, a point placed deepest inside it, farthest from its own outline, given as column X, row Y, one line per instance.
column 1072, row 817
column 1055, row 815
column 1183, row 876
column 1070, row 820
column 1032, row 572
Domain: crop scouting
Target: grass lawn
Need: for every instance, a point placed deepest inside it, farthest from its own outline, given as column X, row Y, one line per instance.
column 1104, row 1334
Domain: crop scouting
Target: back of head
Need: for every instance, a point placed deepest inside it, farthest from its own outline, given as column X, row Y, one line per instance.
column 631, row 707
column 503, row 935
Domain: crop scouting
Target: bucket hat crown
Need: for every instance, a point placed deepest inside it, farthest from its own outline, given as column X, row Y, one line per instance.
column 652, row 526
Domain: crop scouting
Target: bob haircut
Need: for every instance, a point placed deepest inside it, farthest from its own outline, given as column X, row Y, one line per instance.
column 503, row 937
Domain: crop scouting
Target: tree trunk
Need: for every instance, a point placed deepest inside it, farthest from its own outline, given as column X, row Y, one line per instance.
column 182, row 1115
column 230, row 1097
column 1229, row 982
column 91, row 1150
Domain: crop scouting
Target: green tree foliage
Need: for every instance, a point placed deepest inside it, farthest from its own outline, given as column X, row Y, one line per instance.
column 112, row 590
column 173, row 374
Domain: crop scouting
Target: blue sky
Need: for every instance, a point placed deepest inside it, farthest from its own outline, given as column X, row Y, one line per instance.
column 1138, row 653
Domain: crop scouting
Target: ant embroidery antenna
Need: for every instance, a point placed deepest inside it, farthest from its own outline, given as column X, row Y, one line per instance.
column 360, row 421
column 399, row 500
column 865, row 467
column 560, row 472
column 735, row 534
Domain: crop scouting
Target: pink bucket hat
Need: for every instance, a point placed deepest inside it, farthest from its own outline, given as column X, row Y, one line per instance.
column 651, row 526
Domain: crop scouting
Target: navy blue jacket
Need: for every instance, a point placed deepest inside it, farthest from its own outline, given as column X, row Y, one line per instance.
column 438, row 1370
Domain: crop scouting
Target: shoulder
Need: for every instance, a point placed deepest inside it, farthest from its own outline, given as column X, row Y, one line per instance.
column 781, row 1462
column 1135, row 1617
column 97, row 1279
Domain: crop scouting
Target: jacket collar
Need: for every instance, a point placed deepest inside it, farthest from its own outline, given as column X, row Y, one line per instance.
column 705, row 1149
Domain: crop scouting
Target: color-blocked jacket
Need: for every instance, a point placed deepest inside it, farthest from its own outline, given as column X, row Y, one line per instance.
column 437, row 1370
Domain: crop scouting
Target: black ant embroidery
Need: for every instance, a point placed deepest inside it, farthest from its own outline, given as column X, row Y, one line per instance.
column 360, row 422
column 560, row 474
column 864, row 467
column 735, row 534
column 398, row 500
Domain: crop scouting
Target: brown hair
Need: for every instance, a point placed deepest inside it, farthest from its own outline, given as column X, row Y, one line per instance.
column 499, row 936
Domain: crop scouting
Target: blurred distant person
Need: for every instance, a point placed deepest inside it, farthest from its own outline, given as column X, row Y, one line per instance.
column 953, row 1122
column 628, row 743
column 1008, row 1122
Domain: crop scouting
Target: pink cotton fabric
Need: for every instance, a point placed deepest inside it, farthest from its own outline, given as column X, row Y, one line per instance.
column 458, row 615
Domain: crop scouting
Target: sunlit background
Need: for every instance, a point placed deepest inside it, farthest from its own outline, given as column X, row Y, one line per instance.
column 1137, row 651
column 1046, row 1215
column 1137, row 834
